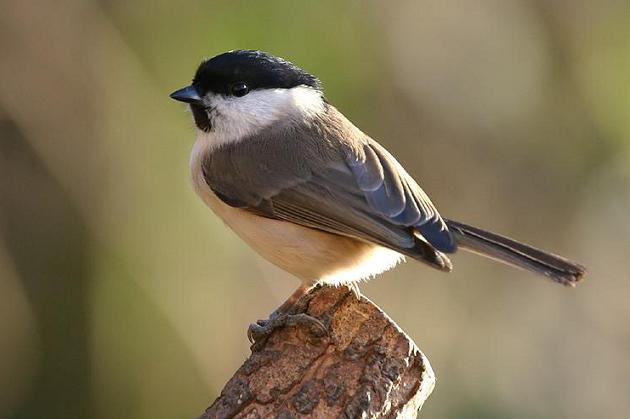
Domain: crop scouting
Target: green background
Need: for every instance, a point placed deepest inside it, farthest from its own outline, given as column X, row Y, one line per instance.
column 122, row 296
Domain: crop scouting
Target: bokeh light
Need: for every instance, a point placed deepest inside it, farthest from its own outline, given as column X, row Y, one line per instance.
column 122, row 296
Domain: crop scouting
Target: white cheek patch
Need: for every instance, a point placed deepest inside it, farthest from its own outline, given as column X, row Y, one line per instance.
column 234, row 118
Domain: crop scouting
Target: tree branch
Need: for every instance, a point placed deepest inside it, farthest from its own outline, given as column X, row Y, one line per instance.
column 366, row 367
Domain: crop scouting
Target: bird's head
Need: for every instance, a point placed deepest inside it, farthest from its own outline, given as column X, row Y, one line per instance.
column 237, row 93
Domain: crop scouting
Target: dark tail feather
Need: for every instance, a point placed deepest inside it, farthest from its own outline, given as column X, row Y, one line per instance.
column 517, row 254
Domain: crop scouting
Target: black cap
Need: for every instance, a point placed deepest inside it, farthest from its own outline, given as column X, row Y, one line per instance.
column 257, row 69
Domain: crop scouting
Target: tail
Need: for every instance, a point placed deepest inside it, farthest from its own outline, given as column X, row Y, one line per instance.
column 516, row 254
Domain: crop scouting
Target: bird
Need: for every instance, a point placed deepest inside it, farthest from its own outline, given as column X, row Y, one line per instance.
column 312, row 193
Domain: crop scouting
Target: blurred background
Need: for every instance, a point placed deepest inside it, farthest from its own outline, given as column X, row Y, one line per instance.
column 121, row 296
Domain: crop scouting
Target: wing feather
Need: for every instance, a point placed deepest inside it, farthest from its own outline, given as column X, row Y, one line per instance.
column 323, row 180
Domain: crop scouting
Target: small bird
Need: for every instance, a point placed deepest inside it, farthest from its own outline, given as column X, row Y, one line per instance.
column 312, row 193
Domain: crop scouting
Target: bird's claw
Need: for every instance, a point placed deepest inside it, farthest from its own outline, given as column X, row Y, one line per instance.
column 258, row 332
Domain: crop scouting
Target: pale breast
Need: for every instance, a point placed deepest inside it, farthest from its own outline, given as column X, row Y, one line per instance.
column 309, row 254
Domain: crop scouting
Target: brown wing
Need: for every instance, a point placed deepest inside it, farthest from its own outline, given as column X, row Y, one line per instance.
column 311, row 176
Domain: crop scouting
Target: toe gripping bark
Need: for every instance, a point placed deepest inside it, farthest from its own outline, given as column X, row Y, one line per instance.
column 364, row 366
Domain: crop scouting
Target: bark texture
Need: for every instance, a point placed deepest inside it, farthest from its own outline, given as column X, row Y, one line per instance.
column 365, row 368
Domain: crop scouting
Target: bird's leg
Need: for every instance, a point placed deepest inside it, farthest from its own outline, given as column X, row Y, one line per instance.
column 286, row 315
column 354, row 287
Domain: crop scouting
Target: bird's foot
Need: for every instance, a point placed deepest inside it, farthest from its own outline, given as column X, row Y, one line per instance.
column 259, row 332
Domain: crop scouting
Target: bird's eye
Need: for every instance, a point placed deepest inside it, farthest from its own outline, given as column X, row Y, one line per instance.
column 239, row 89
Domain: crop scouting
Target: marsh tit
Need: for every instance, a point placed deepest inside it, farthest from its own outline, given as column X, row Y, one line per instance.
column 312, row 193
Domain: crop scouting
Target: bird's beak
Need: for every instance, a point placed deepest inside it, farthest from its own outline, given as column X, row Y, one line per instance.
column 188, row 95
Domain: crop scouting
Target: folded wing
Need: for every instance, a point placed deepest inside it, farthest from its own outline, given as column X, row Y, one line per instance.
column 312, row 176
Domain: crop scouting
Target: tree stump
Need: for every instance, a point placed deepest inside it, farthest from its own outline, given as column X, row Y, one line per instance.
column 366, row 367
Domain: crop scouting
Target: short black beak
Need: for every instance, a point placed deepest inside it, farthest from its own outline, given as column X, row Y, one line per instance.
column 188, row 95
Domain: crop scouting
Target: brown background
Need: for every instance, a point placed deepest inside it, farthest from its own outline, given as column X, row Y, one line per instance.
column 119, row 290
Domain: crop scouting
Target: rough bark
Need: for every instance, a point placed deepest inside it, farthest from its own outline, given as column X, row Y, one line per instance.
column 365, row 368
